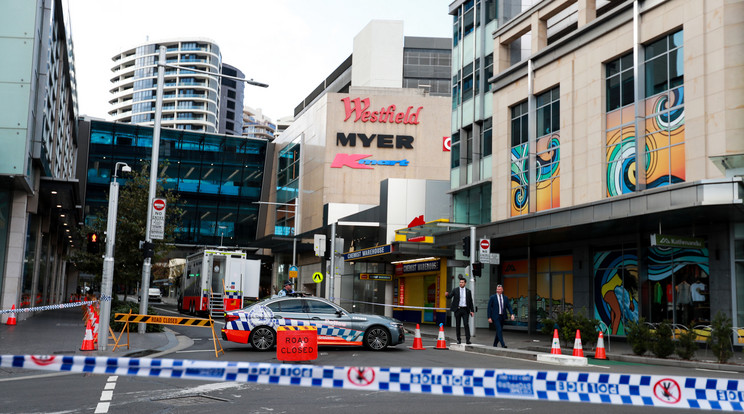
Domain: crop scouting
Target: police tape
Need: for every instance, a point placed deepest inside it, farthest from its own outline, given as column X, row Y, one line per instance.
column 390, row 306
column 53, row 307
column 619, row 389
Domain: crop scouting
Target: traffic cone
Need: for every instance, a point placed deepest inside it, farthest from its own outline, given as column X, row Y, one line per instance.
column 578, row 350
column 441, row 343
column 556, row 347
column 600, row 352
column 12, row 317
column 95, row 327
column 88, row 339
column 417, row 344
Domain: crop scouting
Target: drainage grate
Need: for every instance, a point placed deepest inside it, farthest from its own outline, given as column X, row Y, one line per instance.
column 140, row 354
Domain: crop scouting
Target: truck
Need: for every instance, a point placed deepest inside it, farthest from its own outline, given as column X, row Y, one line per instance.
column 215, row 281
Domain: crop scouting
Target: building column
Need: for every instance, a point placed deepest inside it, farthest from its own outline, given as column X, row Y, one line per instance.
column 587, row 11
column 539, row 33
column 13, row 275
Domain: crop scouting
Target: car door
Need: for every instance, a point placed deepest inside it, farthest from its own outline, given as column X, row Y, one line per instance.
column 335, row 326
column 288, row 310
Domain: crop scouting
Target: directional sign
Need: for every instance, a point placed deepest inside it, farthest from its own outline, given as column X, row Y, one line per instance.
column 293, row 271
column 157, row 224
column 318, row 277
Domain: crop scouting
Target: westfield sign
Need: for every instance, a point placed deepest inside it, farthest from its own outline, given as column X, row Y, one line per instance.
column 360, row 110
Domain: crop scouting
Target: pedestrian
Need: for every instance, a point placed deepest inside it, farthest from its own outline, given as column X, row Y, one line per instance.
column 498, row 305
column 462, row 306
column 286, row 289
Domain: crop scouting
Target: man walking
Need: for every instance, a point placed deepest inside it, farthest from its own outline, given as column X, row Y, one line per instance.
column 462, row 306
column 498, row 305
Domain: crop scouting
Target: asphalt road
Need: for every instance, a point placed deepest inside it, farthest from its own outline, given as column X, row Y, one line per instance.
column 85, row 393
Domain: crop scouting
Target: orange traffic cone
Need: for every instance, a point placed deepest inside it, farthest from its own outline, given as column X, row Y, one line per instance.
column 88, row 339
column 95, row 327
column 556, row 347
column 600, row 352
column 12, row 317
column 417, row 344
column 441, row 343
column 578, row 350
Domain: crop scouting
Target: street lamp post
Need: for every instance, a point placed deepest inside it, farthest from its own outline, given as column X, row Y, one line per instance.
column 107, row 279
column 162, row 64
column 222, row 234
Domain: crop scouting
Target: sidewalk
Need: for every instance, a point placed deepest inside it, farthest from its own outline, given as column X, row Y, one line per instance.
column 525, row 346
column 61, row 332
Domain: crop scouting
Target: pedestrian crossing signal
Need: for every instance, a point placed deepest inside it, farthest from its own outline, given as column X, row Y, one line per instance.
column 93, row 243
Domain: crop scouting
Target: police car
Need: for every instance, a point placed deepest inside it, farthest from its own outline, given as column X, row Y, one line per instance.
column 257, row 324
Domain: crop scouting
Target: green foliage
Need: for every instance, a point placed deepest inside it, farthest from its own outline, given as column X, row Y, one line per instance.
column 568, row 323
column 638, row 335
column 663, row 345
column 123, row 306
column 719, row 340
column 686, row 346
column 130, row 230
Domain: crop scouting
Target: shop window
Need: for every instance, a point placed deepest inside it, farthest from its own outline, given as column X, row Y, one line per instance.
column 616, row 288
column 519, row 159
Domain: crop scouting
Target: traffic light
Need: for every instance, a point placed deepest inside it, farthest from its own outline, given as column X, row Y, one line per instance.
column 477, row 269
column 93, row 243
column 148, row 250
column 466, row 246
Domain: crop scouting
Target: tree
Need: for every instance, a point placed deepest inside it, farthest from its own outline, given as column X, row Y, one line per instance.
column 130, row 230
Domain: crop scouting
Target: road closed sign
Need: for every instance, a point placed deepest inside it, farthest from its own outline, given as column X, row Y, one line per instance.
column 157, row 224
column 297, row 343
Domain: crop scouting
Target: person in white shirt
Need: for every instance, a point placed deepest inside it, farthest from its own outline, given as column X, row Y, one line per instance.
column 462, row 306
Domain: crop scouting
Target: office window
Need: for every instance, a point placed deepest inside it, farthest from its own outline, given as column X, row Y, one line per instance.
column 519, row 159
column 664, row 110
column 487, row 138
column 620, row 150
column 287, row 189
column 547, row 150
column 455, row 150
column 473, row 205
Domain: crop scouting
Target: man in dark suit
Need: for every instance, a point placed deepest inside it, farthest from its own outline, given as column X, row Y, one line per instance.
column 462, row 306
column 498, row 305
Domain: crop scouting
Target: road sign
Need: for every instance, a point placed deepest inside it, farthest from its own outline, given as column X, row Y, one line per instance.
column 293, row 271
column 317, row 277
column 485, row 250
column 157, row 224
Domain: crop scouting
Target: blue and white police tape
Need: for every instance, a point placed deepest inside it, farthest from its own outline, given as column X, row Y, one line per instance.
column 619, row 389
column 49, row 307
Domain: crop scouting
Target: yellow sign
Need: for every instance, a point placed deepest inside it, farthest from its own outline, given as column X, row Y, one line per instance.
column 293, row 271
column 318, row 277
column 162, row 320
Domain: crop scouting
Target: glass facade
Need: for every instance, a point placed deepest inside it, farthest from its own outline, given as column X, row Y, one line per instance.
column 287, row 190
column 219, row 178
column 427, row 67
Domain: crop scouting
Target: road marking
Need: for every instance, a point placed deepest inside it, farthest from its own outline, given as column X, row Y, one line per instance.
column 107, row 395
column 715, row 370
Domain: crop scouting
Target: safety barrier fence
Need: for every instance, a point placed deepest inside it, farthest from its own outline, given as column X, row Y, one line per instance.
column 617, row 389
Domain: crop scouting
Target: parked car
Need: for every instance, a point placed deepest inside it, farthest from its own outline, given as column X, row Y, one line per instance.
column 257, row 324
column 153, row 295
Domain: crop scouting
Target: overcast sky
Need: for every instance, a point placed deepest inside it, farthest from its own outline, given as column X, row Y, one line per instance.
column 292, row 45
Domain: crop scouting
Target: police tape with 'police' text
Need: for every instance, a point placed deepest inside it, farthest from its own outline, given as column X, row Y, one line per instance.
column 617, row 389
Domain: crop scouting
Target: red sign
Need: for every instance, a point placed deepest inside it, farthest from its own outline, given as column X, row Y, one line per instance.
column 158, row 204
column 360, row 109
column 296, row 343
column 360, row 376
column 485, row 244
column 447, row 144
column 401, row 292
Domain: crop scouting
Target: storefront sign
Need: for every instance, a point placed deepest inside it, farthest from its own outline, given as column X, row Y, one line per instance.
column 447, row 144
column 390, row 115
column 401, row 292
column 373, row 251
column 383, row 140
column 417, row 267
column 665, row 240
column 374, row 276
column 357, row 161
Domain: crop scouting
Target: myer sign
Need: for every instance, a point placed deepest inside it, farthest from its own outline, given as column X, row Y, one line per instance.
column 665, row 240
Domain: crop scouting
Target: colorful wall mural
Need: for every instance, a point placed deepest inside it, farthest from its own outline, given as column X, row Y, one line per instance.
column 519, row 180
column 548, row 194
column 616, row 288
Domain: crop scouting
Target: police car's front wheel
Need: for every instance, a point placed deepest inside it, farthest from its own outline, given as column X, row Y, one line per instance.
column 377, row 338
column 262, row 338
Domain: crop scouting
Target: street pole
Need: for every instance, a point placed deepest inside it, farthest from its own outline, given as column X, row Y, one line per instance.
column 107, row 279
column 472, row 277
column 146, row 265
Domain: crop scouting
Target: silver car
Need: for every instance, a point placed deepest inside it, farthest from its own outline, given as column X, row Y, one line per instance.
column 257, row 324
